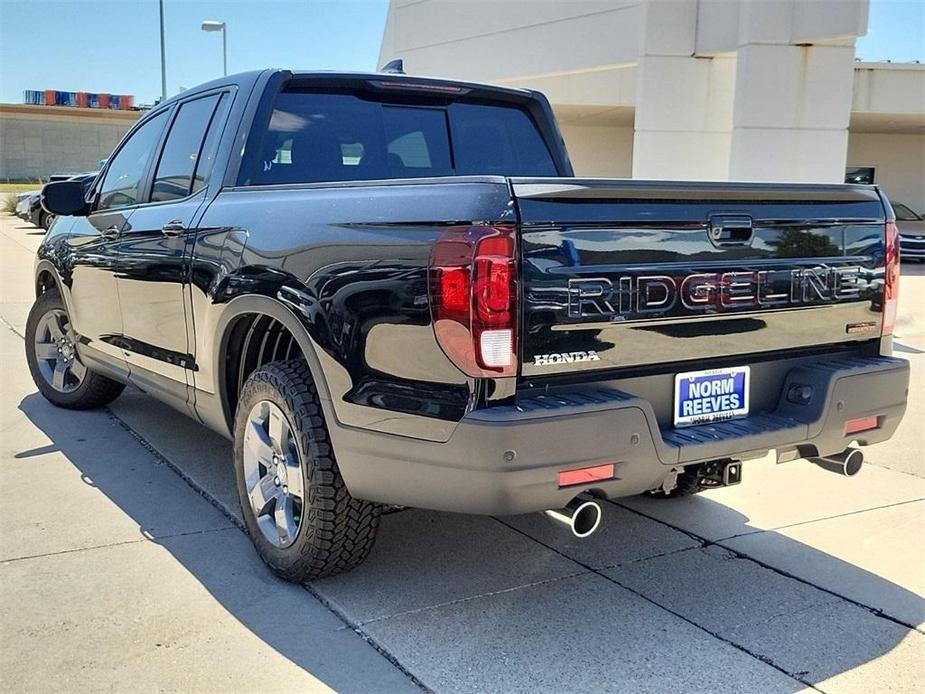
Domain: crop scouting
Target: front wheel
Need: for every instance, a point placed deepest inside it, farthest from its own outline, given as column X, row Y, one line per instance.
column 51, row 352
column 298, row 512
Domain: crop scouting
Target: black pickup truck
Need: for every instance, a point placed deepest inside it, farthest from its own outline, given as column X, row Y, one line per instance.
column 390, row 290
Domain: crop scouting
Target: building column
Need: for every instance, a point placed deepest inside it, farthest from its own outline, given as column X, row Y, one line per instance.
column 683, row 103
column 764, row 96
column 790, row 114
column 683, row 117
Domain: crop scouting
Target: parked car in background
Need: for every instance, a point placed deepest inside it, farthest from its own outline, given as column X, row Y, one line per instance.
column 911, row 232
column 32, row 209
column 63, row 176
column 23, row 204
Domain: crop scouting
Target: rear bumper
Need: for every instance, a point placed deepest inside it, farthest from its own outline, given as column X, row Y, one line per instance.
column 506, row 460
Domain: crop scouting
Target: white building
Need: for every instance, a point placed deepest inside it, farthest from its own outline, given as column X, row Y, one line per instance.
column 763, row 90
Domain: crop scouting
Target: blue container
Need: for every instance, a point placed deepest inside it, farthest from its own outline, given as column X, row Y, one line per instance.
column 94, row 100
column 33, row 97
column 115, row 102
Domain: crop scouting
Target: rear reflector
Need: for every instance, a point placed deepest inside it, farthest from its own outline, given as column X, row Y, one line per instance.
column 853, row 426
column 569, row 478
column 891, row 282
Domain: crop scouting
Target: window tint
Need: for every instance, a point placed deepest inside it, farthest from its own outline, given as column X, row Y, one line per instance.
column 315, row 137
column 174, row 177
column 416, row 142
column 206, row 161
column 498, row 140
column 121, row 186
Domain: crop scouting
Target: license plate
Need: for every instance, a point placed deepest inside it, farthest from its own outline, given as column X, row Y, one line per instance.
column 709, row 396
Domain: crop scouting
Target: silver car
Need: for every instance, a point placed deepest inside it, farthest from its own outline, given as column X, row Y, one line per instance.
column 22, row 204
column 911, row 233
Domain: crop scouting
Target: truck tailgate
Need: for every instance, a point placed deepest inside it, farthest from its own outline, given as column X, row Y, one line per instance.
column 632, row 273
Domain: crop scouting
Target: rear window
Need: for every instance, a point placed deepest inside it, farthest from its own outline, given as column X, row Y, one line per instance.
column 315, row 137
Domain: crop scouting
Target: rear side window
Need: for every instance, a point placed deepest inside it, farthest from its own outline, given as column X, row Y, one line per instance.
column 174, row 177
column 206, row 161
column 314, row 137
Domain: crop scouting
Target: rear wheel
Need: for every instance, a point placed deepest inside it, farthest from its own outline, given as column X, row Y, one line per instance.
column 51, row 352
column 297, row 510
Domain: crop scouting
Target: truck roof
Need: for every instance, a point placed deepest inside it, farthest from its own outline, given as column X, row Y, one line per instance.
column 247, row 80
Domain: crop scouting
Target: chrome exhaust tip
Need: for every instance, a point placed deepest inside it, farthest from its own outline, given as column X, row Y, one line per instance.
column 582, row 515
column 847, row 463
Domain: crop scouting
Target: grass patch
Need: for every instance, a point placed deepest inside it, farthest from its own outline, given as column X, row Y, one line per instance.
column 18, row 187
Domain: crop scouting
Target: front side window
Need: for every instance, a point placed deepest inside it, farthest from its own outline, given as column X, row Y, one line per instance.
column 316, row 137
column 173, row 179
column 122, row 185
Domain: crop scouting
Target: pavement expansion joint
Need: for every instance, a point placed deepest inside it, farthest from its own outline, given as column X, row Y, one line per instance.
column 469, row 598
column 758, row 531
column 719, row 543
column 144, row 538
column 356, row 628
column 766, row 660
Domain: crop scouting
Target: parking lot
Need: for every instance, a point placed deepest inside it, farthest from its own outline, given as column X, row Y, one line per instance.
column 122, row 564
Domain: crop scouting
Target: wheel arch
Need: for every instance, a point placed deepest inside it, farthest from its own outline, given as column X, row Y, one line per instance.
column 244, row 314
column 46, row 277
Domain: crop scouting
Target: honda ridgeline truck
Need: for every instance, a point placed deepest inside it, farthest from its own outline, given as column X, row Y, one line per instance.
column 390, row 290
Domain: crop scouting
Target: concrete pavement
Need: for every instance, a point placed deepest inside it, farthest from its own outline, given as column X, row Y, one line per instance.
column 122, row 566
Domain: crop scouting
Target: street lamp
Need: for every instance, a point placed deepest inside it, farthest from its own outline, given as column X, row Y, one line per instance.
column 212, row 25
column 160, row 5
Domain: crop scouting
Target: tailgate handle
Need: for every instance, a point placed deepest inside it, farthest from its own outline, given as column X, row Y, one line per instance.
column 730, row 230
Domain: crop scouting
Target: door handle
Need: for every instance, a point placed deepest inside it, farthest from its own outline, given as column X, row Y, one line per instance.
column 174, row 228
column 730, row 230
column 110, row 233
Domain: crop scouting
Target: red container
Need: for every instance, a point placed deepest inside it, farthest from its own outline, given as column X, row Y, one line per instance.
column 104, row 100
column 126, row 102
column 83, row 100
column 51, row 97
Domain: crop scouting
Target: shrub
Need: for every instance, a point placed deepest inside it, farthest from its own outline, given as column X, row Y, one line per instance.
column 9, row 203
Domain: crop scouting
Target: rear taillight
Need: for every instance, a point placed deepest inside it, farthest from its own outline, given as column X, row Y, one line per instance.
column 891, row 282
column 473, row 293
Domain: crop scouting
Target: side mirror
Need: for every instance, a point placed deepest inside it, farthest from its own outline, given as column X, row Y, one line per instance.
column 65, row 198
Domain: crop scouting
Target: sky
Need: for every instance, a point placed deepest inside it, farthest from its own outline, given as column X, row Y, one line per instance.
column 113, row 45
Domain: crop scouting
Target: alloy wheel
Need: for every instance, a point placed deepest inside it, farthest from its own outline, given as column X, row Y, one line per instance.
column 56, row 352
column 273, row 473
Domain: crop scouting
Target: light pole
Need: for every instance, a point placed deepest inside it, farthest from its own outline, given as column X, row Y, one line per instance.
column 212, row 25
column 163, row 58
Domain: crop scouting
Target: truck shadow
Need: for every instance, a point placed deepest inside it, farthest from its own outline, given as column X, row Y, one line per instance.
column 445, row 594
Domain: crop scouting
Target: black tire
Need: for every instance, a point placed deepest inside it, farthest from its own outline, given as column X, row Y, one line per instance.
column 336, row 531
column 45, row 220
column 95, row 390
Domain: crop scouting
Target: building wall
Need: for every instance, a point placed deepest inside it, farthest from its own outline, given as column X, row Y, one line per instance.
column 36, row 141
column 600, row 151
column 899, row 160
